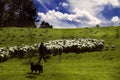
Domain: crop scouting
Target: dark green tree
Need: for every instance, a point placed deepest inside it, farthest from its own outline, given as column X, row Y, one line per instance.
column 26, row 12
column 2, row 8
column 45, row 25
column 17, row 13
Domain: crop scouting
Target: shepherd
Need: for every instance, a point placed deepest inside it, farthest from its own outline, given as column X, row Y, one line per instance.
column 42, row 49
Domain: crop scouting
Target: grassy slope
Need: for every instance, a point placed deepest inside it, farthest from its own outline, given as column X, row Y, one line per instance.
column 85, row 66
column 15, row 36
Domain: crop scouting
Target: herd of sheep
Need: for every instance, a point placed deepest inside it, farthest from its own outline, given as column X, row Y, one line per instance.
column 74, row 45
column 17, row 51
column 55, row 47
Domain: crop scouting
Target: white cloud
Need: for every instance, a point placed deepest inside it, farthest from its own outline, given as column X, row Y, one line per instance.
column 82, row 4
column 115, row 20
column 87, row 16
column 84, row 13
column 64, row 4
column 114, row 3
column 81, row 17
column 93, row 6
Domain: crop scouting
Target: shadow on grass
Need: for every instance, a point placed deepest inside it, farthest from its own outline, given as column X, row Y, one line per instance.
column 32, row 75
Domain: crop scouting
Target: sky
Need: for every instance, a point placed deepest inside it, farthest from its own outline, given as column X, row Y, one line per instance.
column 78, row 13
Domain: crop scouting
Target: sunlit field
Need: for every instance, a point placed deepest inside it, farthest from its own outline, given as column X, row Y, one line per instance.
column 97, row 65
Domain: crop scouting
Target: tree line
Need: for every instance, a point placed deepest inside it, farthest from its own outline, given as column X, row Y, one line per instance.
column 45, row 25
column 17, row 13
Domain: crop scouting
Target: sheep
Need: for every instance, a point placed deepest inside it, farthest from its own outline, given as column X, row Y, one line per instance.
column 11, row 51
column 78, row 49
column 70, row 45
column 112, row 47
column 36, row 67
column 56, row 47
column 1, row 57
column 100, row 46
column 106, row 47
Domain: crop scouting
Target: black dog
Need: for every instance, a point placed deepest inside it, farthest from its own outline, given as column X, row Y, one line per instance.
column 36, row 67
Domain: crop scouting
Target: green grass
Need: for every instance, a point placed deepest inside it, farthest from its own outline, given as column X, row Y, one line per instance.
column 85, row 66
column 11, row 36
column 104, row 65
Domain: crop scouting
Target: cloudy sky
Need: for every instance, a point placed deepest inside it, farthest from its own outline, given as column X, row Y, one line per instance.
column 78, row 13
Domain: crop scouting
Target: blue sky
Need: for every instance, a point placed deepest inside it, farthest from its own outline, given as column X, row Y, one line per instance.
column 78, row 13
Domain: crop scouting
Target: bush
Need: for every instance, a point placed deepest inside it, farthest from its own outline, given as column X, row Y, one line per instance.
column 97, row 25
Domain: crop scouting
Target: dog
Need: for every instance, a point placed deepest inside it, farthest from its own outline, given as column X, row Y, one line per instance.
column 36, row 67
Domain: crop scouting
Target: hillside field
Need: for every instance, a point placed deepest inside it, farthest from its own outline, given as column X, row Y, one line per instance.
column 97, row 65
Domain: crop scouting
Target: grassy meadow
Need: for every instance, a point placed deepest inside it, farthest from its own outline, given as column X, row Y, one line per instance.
column 103, row 65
